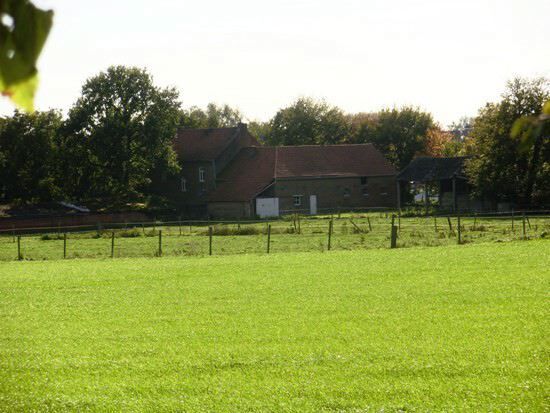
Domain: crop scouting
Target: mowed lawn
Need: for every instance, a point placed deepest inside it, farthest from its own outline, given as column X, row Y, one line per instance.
column 457, row 328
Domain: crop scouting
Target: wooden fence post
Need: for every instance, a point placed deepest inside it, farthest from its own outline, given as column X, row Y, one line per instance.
column 64, row 245
column 19, row 256
column 393, row 220
column 113, row 244
column 179, row 225
column 160, row 242
column 329, row 234
column 450, row 224
column 210, row 241
column 523, row 222
column 459, row 233
column 368, row 221
column 299, row 225
column 268, row 237
column 399, row 219
column 435, row 223
column 393, row 243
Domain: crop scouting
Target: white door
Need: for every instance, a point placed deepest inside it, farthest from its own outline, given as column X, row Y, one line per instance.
column 313, row 204
column 267, row 207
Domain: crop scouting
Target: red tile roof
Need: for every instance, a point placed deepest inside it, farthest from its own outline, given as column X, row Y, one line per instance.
column 331, row 160
column 255, row 168
column 202, row 144
column 247, row 175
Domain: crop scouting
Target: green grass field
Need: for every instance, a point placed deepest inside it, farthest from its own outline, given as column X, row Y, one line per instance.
column 456, row 328
column 350, row 232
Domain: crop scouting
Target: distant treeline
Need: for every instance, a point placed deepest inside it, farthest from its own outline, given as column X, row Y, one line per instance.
column 116, row 141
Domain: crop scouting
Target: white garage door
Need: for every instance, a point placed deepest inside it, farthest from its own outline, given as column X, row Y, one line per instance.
column 267, row 207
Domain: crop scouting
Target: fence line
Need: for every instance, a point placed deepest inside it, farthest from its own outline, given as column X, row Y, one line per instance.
column 294, row 234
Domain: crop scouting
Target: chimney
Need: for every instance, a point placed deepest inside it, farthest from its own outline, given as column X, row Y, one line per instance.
column 243, row 127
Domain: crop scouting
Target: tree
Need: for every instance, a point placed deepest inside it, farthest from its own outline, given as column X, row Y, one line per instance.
column 120, row 132
column 507, row 168
column 28, row 156
column 215, row 116
column 534, row 133
column 399, row 134
column 309, row 122
column 24, row 29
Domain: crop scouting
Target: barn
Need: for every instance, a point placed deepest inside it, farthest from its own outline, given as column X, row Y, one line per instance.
column 271, row 181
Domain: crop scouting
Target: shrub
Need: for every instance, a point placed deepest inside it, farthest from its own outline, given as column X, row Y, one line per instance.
column 130, row 233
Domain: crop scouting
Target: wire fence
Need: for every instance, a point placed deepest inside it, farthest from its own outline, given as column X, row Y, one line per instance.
column 294, row 233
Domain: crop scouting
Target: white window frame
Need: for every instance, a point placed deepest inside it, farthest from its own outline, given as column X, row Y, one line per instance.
column 202, row 175
column 297, row 200
column 183, row 184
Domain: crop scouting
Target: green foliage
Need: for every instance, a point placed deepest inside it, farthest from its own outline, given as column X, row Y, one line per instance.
column 461, row 328
column 29, row 155
column 215, row 116
column 308, row 122
column 119, row 134
column 399, row 134
column 23, row 31
column 512, row 151
column 260, row 130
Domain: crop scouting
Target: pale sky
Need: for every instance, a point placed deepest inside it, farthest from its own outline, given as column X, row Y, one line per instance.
column 447, row 57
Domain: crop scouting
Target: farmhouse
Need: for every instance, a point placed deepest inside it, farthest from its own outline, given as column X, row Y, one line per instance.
column 203, row 154
column 227, row 174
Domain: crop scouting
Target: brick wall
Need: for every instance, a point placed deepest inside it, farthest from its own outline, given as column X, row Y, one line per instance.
column 335, row 193
column 230, row 209
column 71, row 220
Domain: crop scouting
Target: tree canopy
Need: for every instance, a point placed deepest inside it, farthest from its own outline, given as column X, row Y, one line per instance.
column 308, row 122
column 507, row 168
column 399, row 133
column 28, row 156
column 121, row 131
column 214, row 116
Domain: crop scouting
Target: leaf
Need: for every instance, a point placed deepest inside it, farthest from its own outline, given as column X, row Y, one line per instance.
column 20, row 47
column 22, row 94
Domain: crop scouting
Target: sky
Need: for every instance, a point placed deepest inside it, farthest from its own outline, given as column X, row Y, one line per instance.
column 446, row 57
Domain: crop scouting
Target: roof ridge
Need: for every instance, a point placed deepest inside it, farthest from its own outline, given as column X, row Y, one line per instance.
column 333, row 145
column 224, row 127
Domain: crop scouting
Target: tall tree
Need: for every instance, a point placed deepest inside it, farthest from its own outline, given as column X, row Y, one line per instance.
column 309, row 122
column 399, row 134
column 122, row 127
column 507, row 168
column 214, row 116
column 28, row 156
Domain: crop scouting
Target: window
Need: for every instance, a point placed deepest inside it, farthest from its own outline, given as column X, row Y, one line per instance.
column 365, row 192
column 183, row 183
column 297, row 200
column 347, row 193
column 202, row 174
column 363, row 180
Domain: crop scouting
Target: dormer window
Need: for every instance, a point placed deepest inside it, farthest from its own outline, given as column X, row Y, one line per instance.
column 202, row 175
